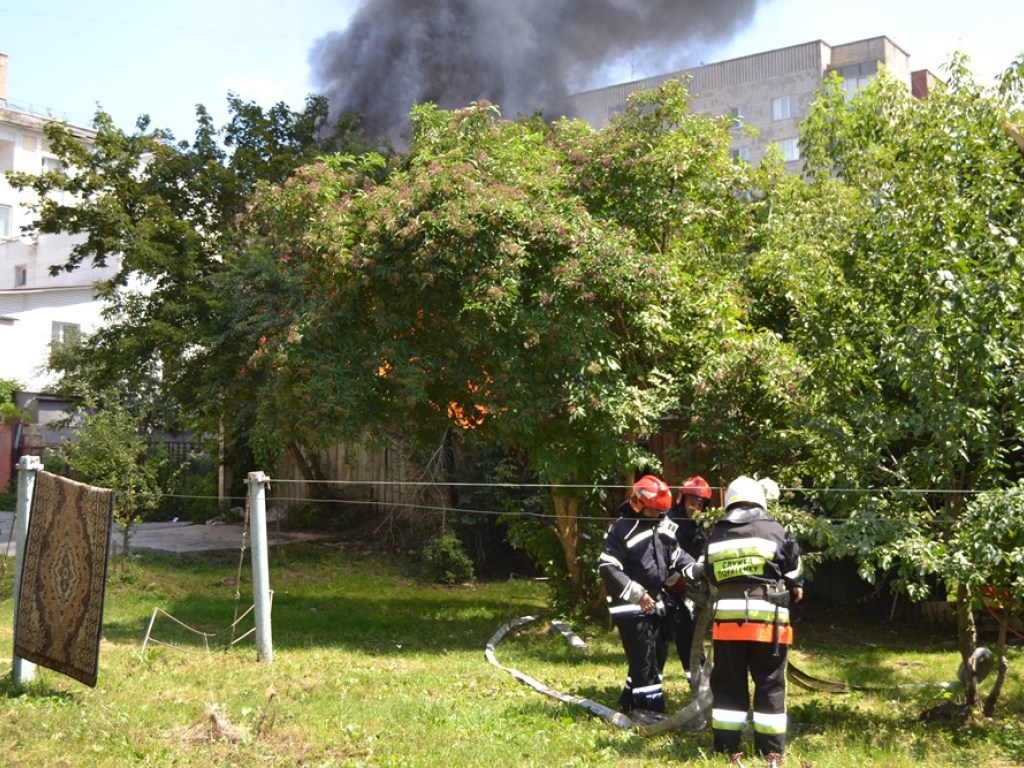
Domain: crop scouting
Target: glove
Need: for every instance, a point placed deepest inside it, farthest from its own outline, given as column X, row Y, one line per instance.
column 693, row 571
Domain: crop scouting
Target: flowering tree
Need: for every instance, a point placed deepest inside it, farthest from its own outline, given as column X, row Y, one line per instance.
column 493, row 284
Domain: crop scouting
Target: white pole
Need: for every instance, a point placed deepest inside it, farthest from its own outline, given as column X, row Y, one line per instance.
column 257, row 482
column 23, row 671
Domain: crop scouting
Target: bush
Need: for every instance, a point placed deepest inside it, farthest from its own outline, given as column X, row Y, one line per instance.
column 190, row 489
column 306, row 516
column 445, row 561
column 9, row 411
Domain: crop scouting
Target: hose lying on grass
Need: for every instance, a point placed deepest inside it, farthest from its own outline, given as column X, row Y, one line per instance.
column 691, row 718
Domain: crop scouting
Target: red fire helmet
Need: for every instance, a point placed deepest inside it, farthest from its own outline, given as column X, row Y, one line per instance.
column 650, row 491
column 696, row 486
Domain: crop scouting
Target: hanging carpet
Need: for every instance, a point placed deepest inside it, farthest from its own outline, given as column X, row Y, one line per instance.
column 63, row 577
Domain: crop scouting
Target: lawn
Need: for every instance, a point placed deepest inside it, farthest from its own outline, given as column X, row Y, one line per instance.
column 373, row 668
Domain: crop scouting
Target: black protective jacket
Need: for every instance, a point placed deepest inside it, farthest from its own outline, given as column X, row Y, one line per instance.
column 689, row 534
column 639, row 554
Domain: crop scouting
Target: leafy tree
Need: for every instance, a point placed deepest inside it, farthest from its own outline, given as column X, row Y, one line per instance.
column 110, row 451
column 896, row 273
column 496, row 283
column 165, row 212
column 668, row 178
column 986, row 553
column 469, row 291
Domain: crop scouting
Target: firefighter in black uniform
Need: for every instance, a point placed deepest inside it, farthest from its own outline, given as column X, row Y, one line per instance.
column 756, row 566
column 691, row 500
column 640, row 553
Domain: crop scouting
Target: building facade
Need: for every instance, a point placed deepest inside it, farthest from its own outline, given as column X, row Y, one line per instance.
column 37, row 309
column 770, row 92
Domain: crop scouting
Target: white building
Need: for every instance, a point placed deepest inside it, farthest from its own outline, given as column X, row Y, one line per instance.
column 771, row 91
column 36, row 308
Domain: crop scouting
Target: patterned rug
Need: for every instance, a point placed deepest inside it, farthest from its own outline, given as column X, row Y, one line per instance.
column 60, row 608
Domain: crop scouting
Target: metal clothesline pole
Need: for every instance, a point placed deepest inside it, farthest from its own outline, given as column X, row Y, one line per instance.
column 28, row 466
column 258, row 482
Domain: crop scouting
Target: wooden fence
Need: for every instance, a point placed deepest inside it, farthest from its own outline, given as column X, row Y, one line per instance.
column 384, row 476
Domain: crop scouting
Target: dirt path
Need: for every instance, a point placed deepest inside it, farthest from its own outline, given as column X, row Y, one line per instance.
column 177, row 537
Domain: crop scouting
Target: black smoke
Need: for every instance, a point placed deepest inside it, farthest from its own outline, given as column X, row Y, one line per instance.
column 524, row 55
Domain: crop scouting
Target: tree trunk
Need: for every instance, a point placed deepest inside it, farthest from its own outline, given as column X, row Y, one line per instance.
column 993, row 696
column 310, row 470
column 567, row 507
column 967, row 638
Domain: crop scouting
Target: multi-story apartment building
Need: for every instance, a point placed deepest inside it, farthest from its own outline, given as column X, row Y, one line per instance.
column 37, row 309
column 770, row 91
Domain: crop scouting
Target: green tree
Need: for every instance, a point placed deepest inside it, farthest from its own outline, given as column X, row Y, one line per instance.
column 895, row 272
column 492, row 283
column 165, row 212
column 986, row 553
column 9, row 409
column 109, row 450
column 668, row 178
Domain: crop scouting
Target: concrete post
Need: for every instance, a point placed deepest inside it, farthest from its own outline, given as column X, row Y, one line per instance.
column 23, row 671
column 257, row 482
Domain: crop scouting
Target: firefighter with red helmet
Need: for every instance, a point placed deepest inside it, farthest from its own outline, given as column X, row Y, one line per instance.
column 640, row 552
column 755, row 564
column 693, row 497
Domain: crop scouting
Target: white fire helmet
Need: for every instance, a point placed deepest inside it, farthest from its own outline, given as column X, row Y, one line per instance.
column 745, row 490
column 771, row 488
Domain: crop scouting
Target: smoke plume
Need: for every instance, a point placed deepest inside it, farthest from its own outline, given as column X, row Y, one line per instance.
column 524, row 55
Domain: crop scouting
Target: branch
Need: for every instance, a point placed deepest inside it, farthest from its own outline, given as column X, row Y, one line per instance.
column 1015, row 134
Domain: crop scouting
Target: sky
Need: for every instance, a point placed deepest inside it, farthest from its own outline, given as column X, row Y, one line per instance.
column 67, row 59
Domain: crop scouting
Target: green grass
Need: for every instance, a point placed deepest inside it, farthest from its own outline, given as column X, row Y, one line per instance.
column 372, row 668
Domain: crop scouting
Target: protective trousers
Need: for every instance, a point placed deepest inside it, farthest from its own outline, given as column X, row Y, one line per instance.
column 645, row 641
column 731, row 697
column 683, row 622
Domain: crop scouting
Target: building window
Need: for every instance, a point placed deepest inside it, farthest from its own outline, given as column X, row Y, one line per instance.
column 782, row 108
column 740, row 153
column 856, row 76
column 66, row 333
column 20, row 276
column 851, row 86
column 790, row 150
column 613, row 111
column 6, row 155
column 5, row 221
column 737, row 115
column 50, row 164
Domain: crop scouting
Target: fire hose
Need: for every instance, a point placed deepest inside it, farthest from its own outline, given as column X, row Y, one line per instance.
column 692, row 717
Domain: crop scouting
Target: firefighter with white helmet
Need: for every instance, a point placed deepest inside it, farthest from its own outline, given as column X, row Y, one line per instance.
column 640, row 552
column 755, row 564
